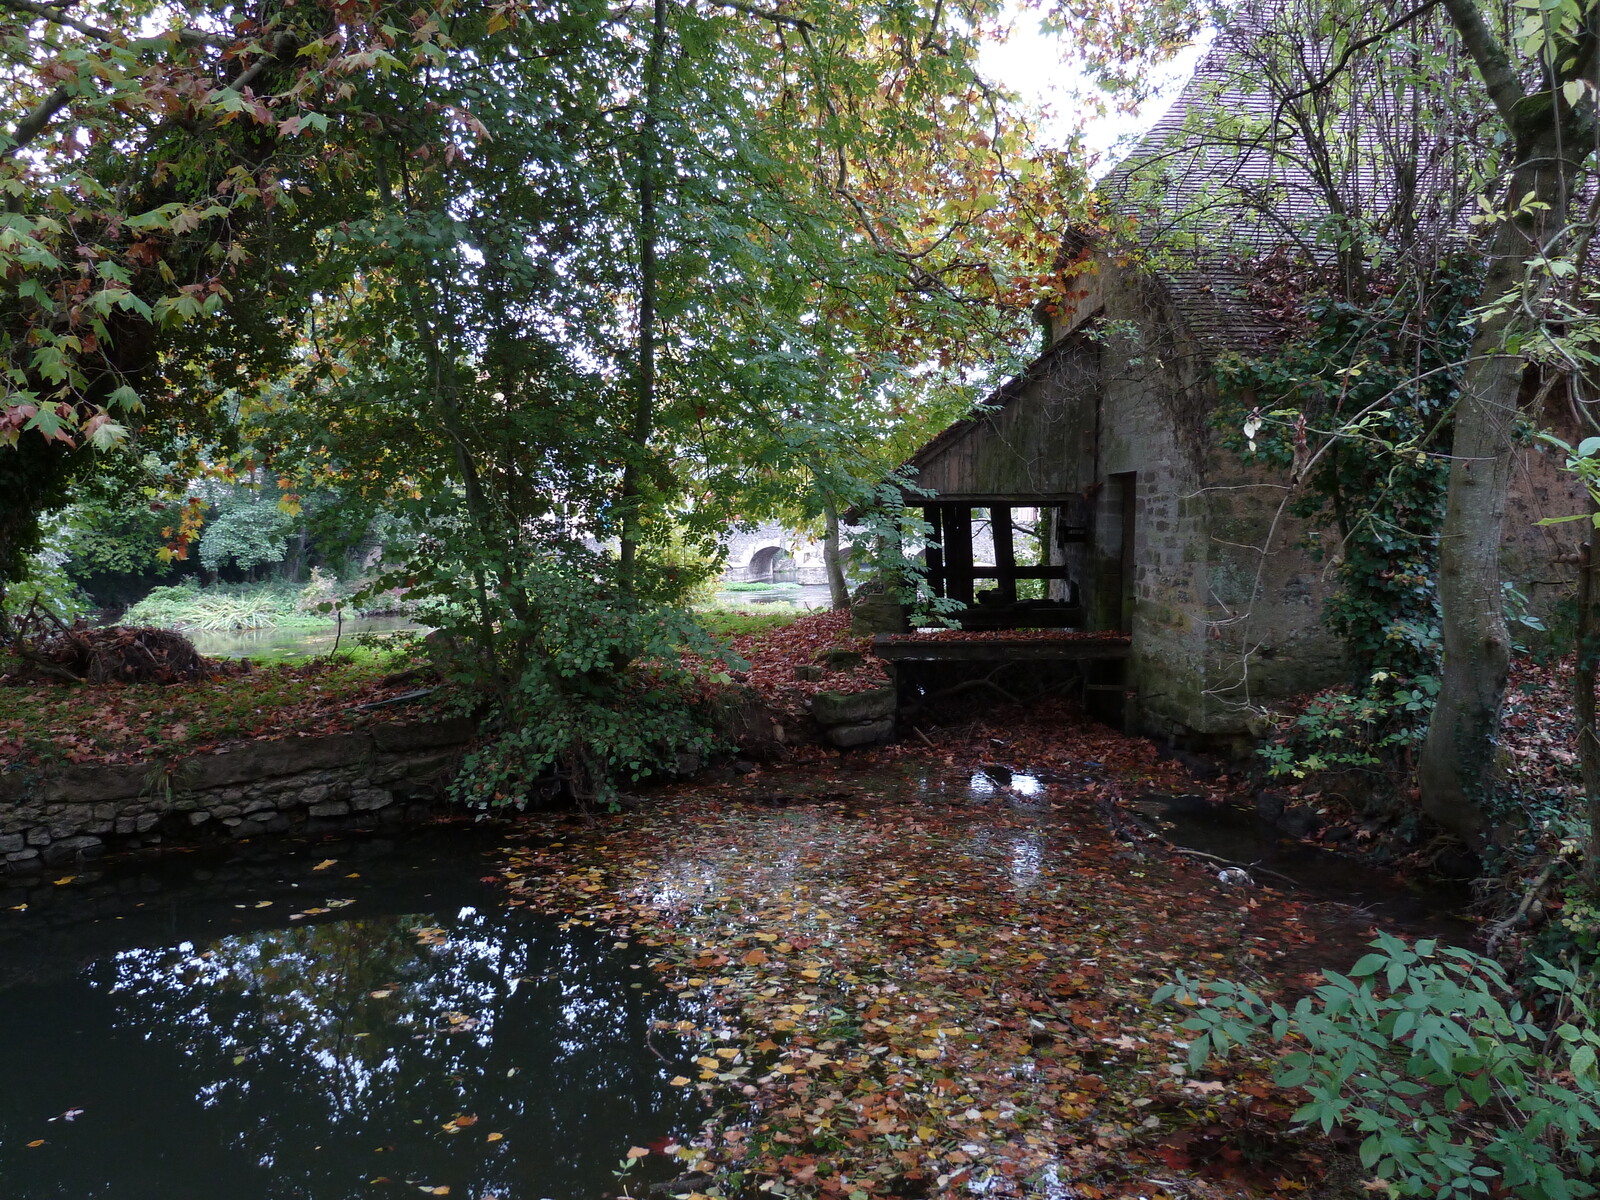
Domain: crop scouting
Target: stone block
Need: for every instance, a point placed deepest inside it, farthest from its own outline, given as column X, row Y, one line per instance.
column 10, row 843
column 330, row 808
column 251, row 761
column 853, row 708
column 73, row 848
column 38, row 836
column 20, row 856
column 125, row 825
column 82, row 783
column 146, row 822
column 864, row 733
column 199, row 818
column 370, row 799
column 809, row 673
column 390, row 770
column 400, row 737
column 244, row 829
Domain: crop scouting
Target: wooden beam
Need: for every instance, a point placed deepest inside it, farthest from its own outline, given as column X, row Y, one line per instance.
column 1005, row 554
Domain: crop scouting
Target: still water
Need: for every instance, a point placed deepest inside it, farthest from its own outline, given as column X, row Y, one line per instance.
column 285, row 1026
column 277, row 645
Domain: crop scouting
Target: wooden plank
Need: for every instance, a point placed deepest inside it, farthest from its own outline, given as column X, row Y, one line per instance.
column 989, row 499
column 935, row 649
column 1059, row 571
column 1005, row 553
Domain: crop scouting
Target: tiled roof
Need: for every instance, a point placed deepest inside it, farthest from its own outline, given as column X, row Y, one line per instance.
column 1220, row 179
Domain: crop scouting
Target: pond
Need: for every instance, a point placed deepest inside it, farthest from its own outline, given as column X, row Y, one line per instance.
column 277, row 645
column 329, row 1020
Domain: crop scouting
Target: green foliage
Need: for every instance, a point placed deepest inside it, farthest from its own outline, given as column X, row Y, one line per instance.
column 223, row 608
column 1340, row 730
column 590, row 689
column 1457, row 1086
column 1360, row 402
column 881, row 551
column 733, row 622
column 47, row 583
column 249, row 529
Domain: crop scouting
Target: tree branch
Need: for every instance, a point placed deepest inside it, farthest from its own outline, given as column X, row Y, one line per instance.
column 765, row 14
column 281, row 45
column 1498, row 71
column 1352, row 50
column 32, row 125
column 47, row 12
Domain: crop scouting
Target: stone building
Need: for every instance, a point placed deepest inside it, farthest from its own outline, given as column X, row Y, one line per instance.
column 1156, row 529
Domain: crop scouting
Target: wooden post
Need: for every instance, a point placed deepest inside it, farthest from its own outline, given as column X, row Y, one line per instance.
column 956, row 523
column 1005, row 554
column 933, row 553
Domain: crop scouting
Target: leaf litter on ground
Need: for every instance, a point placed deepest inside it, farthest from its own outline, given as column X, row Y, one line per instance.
column 897, row 983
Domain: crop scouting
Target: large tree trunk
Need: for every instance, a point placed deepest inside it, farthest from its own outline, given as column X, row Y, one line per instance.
column 1458, row 770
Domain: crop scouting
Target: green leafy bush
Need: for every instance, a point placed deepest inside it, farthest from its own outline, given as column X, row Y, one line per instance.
column 588, row 687
column 1456, row 1084
column 223, row 608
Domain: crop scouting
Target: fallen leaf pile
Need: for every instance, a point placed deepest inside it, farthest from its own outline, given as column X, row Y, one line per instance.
column 774, row 654
column 904, row 973
column 126, row 723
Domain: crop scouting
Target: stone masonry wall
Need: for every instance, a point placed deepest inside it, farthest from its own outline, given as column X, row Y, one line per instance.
column 52, row 817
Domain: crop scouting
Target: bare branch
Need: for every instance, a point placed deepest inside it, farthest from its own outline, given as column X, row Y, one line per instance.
column 1352, row 50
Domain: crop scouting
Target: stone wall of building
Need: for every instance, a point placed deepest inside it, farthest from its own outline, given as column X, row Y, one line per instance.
column 54, row 816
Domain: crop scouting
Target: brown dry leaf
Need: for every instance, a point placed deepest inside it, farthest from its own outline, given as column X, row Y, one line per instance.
column 325, row 864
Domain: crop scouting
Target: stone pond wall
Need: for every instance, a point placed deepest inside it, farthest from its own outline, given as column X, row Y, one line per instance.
column 52, row 816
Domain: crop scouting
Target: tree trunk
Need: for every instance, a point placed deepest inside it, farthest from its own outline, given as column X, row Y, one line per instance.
column 833, row 559
column 1583, row 699
column 645, row 383
column 1458, row 770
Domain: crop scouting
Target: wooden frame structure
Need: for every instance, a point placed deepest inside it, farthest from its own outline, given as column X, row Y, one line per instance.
column 953, row 572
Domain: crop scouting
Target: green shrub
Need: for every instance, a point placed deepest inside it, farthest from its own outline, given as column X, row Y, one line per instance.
column 223, row 608
column 579, row 684
column 1425, row 1050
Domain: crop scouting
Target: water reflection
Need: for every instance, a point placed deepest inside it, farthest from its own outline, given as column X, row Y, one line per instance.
column 363, row 1057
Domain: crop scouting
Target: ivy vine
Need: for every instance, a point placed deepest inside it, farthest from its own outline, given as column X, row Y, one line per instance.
column 1357, row 404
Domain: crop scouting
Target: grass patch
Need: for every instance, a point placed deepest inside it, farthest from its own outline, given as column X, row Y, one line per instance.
column 736, row 622
column 756, row 586
column 227, row 608
column 52, row 723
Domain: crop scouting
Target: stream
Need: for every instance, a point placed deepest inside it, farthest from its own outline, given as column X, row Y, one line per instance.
column 360, row 1017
